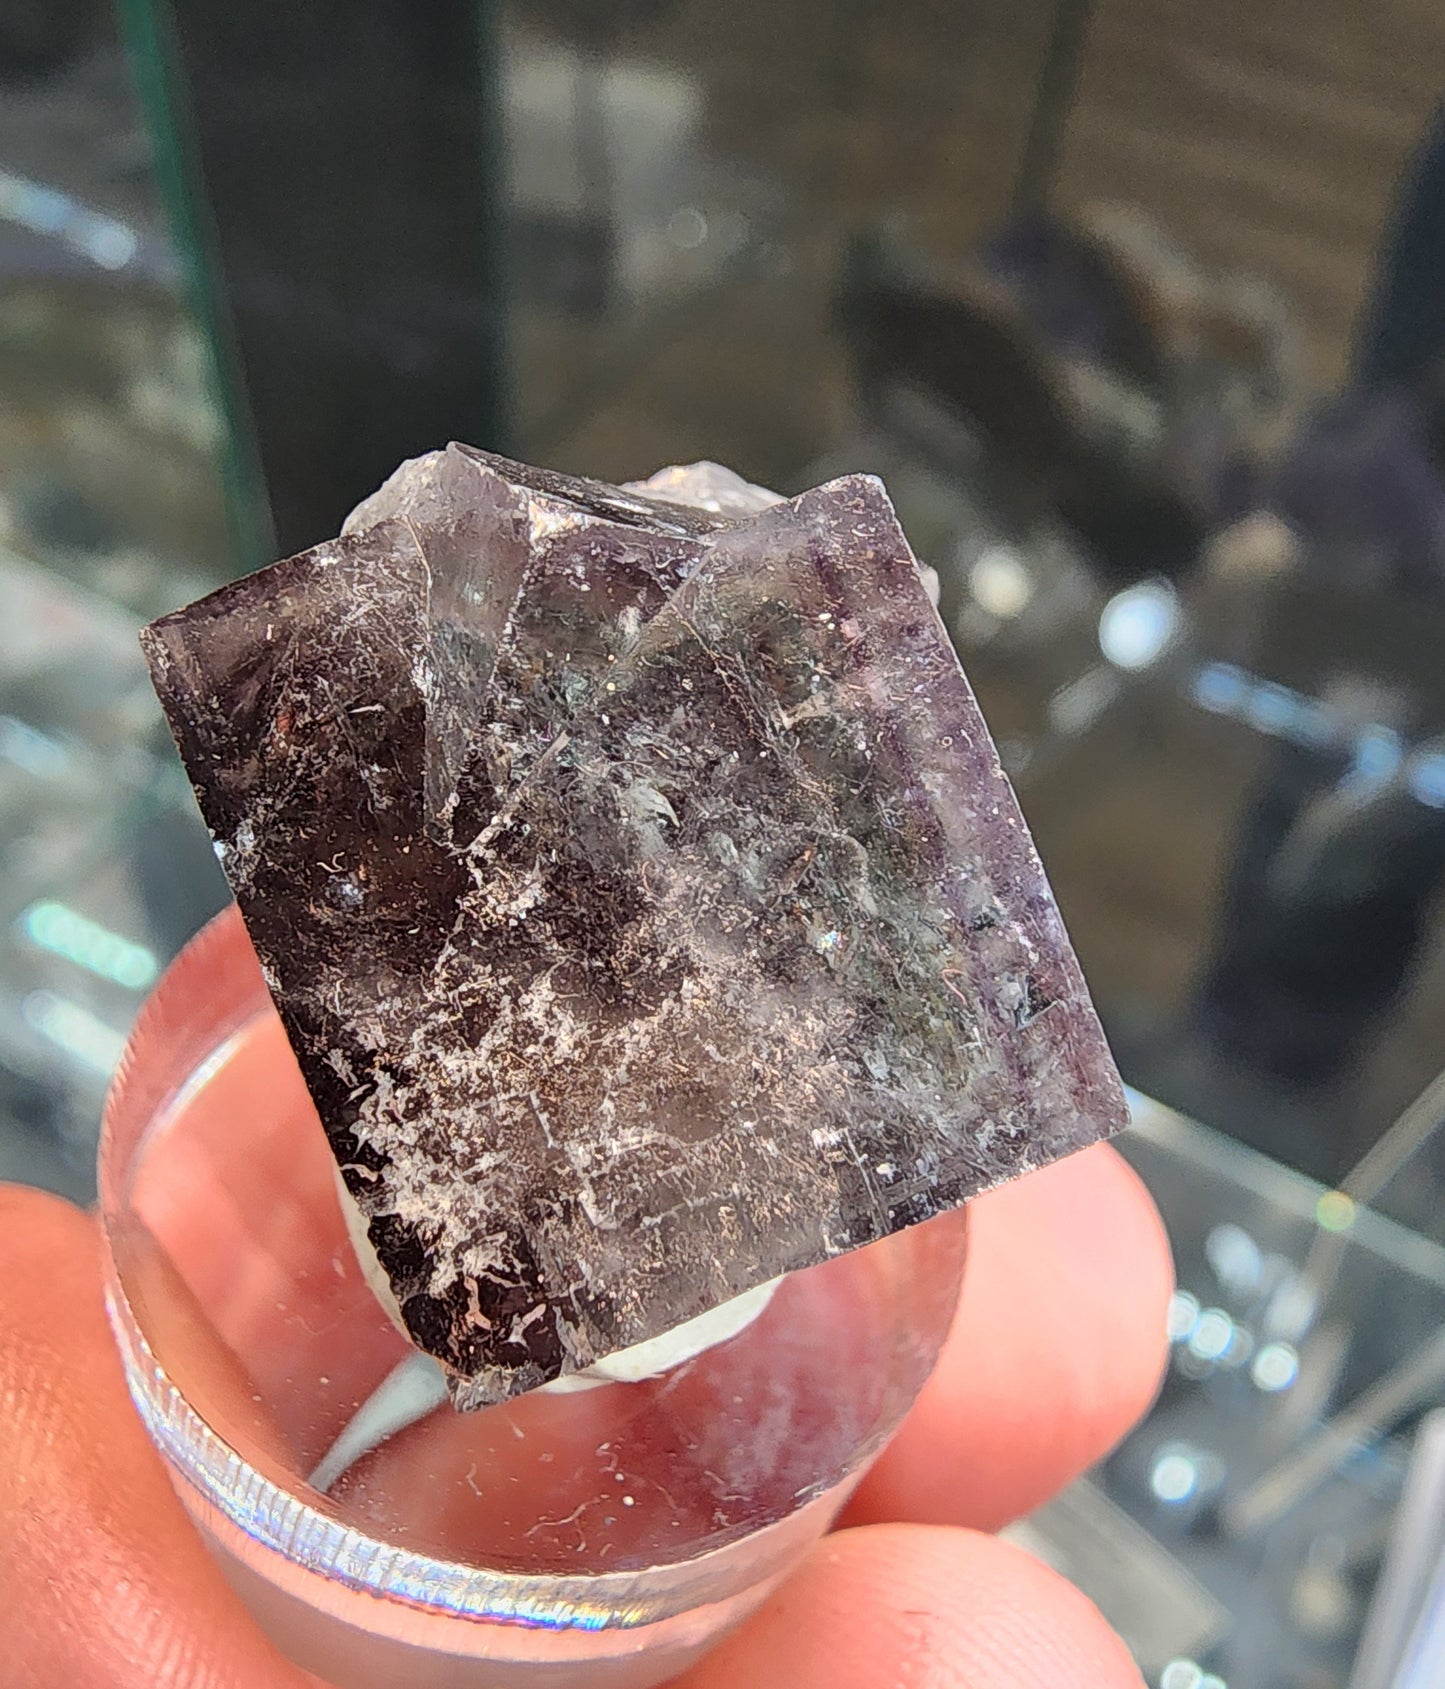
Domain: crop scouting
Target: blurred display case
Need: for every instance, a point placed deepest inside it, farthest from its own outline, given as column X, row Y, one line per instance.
column 1260, row 1494
column 103, row 869
column 1131, row 302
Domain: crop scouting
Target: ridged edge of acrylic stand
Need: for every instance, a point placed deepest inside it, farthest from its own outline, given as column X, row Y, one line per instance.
column 309, row 1542
column 282, row 1523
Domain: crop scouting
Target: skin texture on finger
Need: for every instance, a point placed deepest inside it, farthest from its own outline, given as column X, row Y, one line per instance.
column 1057, row 1350
column 921, row 1607
column 103, row 1583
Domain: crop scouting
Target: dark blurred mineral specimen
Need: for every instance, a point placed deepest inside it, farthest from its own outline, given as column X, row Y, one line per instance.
column 640, row 891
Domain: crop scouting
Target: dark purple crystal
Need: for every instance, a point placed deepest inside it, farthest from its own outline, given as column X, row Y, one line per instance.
column 640, row 891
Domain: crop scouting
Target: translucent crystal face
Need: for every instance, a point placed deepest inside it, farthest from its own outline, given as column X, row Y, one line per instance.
column 641, row 894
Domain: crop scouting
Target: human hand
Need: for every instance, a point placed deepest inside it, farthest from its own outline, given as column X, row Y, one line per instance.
column 1056, row 1350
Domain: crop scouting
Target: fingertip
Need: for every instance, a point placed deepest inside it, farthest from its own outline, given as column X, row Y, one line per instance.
column 927, row 1604
column 1103, row 1243
column 1057, row 1349
column 102, row 1579
column 31, row 1218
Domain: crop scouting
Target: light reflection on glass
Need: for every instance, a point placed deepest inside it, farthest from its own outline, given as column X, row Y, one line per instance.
column 67, row 933
column 1235, row 1258
column 687, row 228
column 31, row 750
column 1181, row 1674
column 1174, row 1477
column 1220, row 688
column 1188, row 1674
column 1275, row 1368
column 1000, row 583
column 1241, row 1347
column 1182, row 1473
column 1139, row 624
column 1271, row 708
column 1268, row 707
column 75, row 1030
column 1183, row 1312
column 1335, row 1212
column 1212, row 1335
column 1427, row 779
column 47, row 211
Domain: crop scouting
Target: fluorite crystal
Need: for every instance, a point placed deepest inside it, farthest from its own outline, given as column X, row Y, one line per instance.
column 640, row 891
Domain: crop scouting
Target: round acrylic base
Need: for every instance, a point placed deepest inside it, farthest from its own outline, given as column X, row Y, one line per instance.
column 604, row 1536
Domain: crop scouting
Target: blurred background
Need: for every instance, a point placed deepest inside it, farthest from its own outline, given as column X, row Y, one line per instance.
column 1138, row 306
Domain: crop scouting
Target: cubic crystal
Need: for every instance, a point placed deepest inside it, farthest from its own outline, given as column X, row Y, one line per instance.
column 640, row 891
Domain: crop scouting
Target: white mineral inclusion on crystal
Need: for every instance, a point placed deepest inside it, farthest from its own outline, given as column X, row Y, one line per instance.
column 704, row 486
column 708, row 486
column 627, row 1366
column 416, row 1386
column 660, row 1354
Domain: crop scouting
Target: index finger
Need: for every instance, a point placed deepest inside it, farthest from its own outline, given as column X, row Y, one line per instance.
column 102, row 1578
column 1057, row 1349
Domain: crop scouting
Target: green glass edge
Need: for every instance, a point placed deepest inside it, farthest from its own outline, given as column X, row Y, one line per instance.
column 149, row 31
column 495, row 427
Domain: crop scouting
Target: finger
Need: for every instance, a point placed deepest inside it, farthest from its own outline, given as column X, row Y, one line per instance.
column 898, row 1605
column 1056, row 1351
column 103, row 1584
